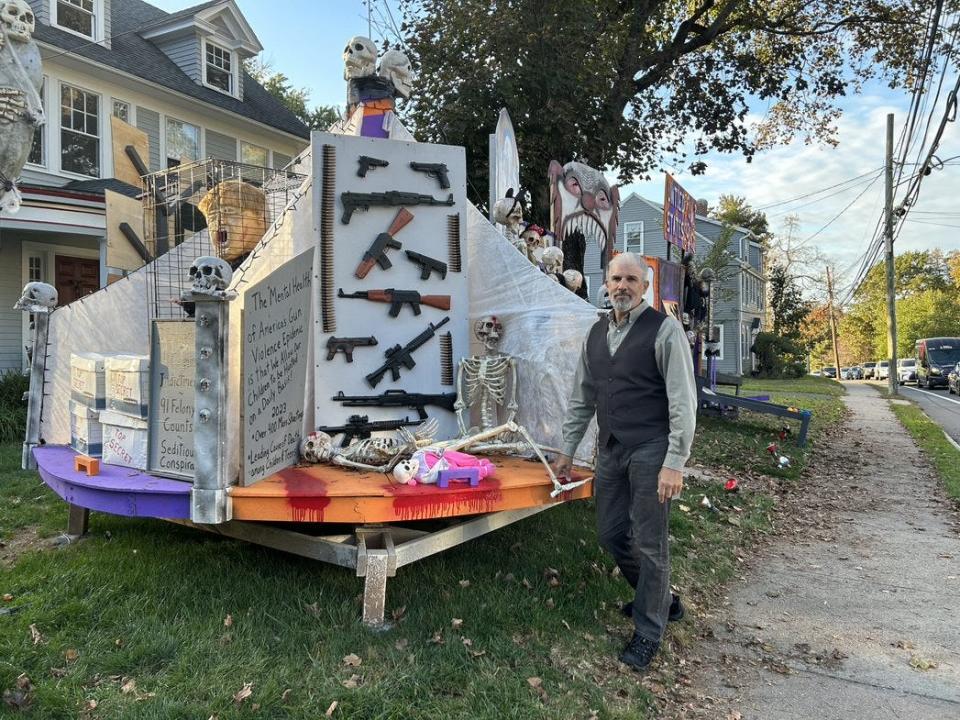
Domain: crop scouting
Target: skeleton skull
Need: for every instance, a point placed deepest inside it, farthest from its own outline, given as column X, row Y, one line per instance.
column 395, row 67
column 508, row 211
column 37, row 295
column 533, row 236
column 488, row 330
column 406, row 471
column 552, row 260
column 572, row 279
column 17, row 19
column 210, row 273
column 316, row 447
column 359, row 58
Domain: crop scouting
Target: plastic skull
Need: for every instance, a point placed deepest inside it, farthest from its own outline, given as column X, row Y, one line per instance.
column 395, row 67
column 316, row 447
column 210, row 273
column 572, row 279
column 359, row 58
column 18, row 18
column 406, row 471
column 37, row 295
column 508, row 211
column 488, row 330
column 532, row 235
column 552, row 260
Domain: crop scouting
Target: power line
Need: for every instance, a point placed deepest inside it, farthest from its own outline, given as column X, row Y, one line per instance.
column 821, row 190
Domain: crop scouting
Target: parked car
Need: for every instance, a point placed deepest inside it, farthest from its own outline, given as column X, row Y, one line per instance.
column 856, row 373
column 830, row 372
column 936, row 357
column 882, row 370
column 845, row 373
column 869, row 370
column 907, row 370
column 953, row 380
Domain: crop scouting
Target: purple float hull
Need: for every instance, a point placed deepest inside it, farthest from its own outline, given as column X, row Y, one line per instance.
column 116, row 490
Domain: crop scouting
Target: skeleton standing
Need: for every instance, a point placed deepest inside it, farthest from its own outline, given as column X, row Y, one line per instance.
column 489, row 380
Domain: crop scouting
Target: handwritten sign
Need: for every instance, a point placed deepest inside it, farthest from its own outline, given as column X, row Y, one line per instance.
column 679, row 216
column 172, row 378
column 276, row 331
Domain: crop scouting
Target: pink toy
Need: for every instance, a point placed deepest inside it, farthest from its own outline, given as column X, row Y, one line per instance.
column 432, row 462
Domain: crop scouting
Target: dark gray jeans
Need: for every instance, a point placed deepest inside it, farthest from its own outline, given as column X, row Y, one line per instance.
column 632, row 525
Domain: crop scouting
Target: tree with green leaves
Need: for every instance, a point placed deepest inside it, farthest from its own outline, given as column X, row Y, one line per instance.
column 277, row 84
column 787, row 305
column 736, row 211
column 632, row 85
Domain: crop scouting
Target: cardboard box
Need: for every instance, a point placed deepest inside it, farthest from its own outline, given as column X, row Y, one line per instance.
column 124, row 440
column 128, row 385
column 88, row 379
column 86, row 432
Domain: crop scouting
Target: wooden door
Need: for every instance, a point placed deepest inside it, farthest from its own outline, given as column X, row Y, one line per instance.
column 75, row 277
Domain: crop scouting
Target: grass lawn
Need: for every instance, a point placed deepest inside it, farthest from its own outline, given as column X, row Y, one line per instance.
column 145, row 619
column 929, row 436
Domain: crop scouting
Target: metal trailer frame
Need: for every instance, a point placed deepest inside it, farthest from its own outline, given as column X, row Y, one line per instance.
column 375, row 552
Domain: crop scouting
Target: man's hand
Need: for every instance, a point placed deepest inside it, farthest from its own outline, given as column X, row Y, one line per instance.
column 562, row 466
column 669, row 484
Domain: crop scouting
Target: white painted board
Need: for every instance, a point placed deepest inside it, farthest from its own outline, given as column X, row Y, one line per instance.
column 427, row 234
column 276, row 336
column 172, row 397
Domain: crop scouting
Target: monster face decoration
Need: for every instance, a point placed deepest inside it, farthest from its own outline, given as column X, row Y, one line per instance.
column 583, row 201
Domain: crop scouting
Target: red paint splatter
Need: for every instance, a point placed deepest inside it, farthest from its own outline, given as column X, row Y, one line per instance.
column 423, row 502
column 306, row 495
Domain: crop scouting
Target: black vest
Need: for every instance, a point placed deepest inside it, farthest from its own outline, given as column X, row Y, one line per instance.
column 630, row 391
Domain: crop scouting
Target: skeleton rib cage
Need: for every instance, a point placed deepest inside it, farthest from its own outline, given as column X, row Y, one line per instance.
column 181, row 204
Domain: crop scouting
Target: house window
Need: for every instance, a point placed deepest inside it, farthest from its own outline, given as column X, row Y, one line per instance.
column 219, row 68
column 77, row 16
column 34, row 268
column 38, row 151
column 79, row 131
column 253, row 155
column 183, row 142
column 121, row 110
column 633, row 237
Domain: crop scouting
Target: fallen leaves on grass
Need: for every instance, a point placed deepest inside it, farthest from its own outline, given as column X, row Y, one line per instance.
column 21, row 695
column 352, row 660
column 464, row 583
column 398, row 613
column 35, row 635
column 228, row 620
column 921, row 663
column 332, row 709
column 352, row 682
column 7, row 597
column 456, row 623
column 285, row 696
column 436, row 638
column 129, row 687
column 243, row 693
column 537, row 684
column 71, row 655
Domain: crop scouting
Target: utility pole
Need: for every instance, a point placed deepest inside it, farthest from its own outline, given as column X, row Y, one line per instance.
column 893, row 380
column 833, row 323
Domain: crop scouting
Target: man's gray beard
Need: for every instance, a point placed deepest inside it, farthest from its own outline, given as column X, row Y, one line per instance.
column 622, row 305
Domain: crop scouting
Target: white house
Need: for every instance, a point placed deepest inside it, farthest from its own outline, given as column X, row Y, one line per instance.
column 176, row 77
column 740, row 300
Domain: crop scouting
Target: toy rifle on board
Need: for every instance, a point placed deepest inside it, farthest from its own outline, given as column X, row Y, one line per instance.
column 397, row 356
column 399, row 298
column 399, row 398
column 391, row 198
column 377, row 254
column 357, row 426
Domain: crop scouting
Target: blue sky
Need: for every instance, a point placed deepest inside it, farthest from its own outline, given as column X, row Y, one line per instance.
column 304, row 40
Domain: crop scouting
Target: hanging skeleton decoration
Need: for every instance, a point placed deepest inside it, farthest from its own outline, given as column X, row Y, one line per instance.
column 376, row 454
column 21, row 110
column 508, row 212
column 488, row 381
column 583, row 208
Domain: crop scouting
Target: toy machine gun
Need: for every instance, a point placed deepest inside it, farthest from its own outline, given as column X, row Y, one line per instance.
column 358, row 426
column 399, row 398
column 391, row 198
column 397, row 356
column 399, row 298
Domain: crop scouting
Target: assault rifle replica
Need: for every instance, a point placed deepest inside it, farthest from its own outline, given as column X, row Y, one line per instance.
column 397, row 356
column 346, row 345
column 399, row 298
column 391, row 198
column 438, row 171
column 427, row 265
column 357, row 426
column 377, row 254
column 399, row 398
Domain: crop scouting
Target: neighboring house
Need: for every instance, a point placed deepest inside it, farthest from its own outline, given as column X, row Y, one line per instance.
column 176, row 77
column 739, row 301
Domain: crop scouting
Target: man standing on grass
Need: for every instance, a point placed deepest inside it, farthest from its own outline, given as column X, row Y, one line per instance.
column 636, row 374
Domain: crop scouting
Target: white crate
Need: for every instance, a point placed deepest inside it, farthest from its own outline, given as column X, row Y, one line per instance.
column 124, row 440
column 128, row 384
column 88, row 380
column 86, row 432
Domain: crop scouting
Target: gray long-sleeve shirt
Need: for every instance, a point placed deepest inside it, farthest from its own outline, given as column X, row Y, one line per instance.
column 675, row 363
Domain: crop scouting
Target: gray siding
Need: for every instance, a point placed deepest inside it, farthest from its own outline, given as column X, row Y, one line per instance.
column 107, row 24
column 185, row 52
column 149, row 122
column 41, row 10
column 11, row 352
column 280, row 160
column 221, row 147
column 754, row 257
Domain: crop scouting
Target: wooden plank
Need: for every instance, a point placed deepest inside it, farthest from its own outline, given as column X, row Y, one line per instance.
column 125, row 135
column 121, row 254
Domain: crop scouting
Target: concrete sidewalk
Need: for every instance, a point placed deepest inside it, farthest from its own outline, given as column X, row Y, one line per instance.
column 854, row 611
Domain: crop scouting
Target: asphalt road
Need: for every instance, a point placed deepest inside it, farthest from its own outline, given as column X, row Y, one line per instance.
column 942, row 407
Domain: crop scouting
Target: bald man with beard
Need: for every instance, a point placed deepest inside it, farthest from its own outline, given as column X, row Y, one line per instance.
column 636, row 375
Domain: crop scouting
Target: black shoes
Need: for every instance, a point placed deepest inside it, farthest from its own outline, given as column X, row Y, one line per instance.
column 639, row 652
column 677, row 611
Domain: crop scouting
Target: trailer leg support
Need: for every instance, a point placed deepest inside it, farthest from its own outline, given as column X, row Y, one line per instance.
column 376, row 561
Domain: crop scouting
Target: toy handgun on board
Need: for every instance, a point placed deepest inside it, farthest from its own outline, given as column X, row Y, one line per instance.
column 438, row 171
